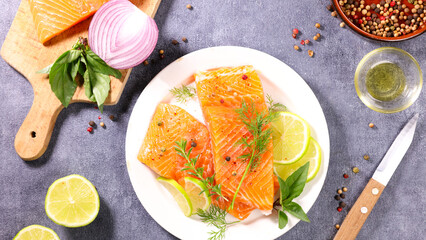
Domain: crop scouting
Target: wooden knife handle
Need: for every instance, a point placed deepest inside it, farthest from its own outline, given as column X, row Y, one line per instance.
column 360, row 211
column 33, row 137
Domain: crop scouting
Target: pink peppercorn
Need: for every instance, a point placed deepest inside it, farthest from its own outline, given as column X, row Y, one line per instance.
column 355, row 16
column 244, row 77
column 222, row 101
column 368, row 18
column 99, row 117
column 307, row 41
column 295, row 31
column 360, row 21
column 382, row 18
column 302, row 42
column 89, row 129
column 339, row 209
column 345, row 175
column 392, row 3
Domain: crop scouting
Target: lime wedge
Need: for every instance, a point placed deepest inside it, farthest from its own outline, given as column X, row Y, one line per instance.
column 36, row 232
column 290, row 135
column 193, row 188
column 179, row 194
column 72, row 201
column 313, row 156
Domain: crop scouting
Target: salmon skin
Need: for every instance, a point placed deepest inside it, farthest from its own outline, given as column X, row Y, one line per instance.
column 52, row 17
column 169, row 124
column 221, row 92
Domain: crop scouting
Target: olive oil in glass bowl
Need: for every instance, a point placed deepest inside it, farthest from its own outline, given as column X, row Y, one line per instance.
column 388, row 80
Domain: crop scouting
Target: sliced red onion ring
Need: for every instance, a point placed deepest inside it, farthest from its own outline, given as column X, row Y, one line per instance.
column 122, row 35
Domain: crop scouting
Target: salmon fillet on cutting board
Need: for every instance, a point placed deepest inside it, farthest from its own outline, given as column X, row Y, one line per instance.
column 52, row 17
column 221, row 92
column 169, row 124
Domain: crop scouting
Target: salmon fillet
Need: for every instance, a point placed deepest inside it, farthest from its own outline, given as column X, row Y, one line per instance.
column 52, row 17
column 221, row 92
column 169, row 124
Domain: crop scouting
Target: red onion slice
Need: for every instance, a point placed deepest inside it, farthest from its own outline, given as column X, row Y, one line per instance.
column 122, row 35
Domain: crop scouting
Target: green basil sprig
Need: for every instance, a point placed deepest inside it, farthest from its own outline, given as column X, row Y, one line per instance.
column 291, row 188
column 80, row 59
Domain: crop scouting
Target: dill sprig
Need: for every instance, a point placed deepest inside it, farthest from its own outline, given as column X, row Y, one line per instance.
column 183, row 93
column 274, row 106
column 257, row 124
column 211, row 188
column 215, row 216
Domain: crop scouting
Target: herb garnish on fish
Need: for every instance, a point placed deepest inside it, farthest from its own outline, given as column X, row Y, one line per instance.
column 183, row 93
column 215, row 216
column 274, row 106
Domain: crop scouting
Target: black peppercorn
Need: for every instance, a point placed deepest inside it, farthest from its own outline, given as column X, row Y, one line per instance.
column 337, row 197
column 92, row 123
column 193, row 144
column 228, row 158
column 342, row 204
column 342, row 196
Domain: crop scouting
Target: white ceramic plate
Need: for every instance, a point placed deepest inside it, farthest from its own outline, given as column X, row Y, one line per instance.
column 279, row 80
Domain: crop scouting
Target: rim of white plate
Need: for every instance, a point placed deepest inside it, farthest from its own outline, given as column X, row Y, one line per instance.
column 278, row 78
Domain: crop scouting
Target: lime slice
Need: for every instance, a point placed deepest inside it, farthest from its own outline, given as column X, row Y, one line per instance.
column 193, row 188
column 36, row 232
column 179, row 194
column 290, row 135
column 72, row 201
column 313, row 156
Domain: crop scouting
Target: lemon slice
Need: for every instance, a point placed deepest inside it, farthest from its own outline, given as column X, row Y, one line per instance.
column 178, row 193
column 193, row 188
column 290, row 135
column 313, row 156
column 72, row 201
column 36, row 232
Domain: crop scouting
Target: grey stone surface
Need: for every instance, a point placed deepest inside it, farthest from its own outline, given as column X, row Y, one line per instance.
column 264, row 25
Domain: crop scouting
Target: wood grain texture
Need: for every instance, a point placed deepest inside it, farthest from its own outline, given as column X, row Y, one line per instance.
column 23, row 51
column 355, row 218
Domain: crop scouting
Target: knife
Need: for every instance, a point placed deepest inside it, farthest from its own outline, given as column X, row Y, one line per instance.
column 371, row 193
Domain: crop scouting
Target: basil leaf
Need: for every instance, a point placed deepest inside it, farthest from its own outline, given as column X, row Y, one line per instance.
column 61, row 83
column 296, row 182
column 282, row 219
column 297, row 211
column 46, row 69
column 96, row 86
column 74, row 68
column 284, row 191
column 98, row 65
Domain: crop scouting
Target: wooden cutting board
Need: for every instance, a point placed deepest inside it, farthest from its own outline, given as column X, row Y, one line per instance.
column 23, row 51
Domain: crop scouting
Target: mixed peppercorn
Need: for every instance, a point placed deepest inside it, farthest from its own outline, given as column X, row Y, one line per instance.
column 388, row 18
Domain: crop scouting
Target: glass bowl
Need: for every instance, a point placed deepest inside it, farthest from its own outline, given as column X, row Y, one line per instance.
column 412, row 72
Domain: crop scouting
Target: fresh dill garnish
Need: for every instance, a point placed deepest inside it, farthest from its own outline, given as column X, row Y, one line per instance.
column 211, row 188
column 183, row 93
column 257, row 124
column 215, row 216
column 274, row 106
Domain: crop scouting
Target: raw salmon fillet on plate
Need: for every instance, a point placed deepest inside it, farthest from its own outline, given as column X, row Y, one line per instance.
column 221, row 92
column 52, row 17
column 169, row 124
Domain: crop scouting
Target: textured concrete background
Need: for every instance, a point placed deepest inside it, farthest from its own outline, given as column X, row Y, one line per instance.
column 263, row 25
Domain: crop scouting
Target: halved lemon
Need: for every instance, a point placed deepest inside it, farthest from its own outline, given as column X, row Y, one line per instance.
column 198, row 193
column 313, row 156
column 36, row 232
column 178, row 193
column 72, row 201
column 291, row 135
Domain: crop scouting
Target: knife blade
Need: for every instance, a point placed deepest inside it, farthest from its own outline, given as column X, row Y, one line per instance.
column 371, row 193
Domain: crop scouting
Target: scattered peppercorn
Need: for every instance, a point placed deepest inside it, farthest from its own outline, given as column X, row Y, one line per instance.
column 184, row 39
column 112, row 117
column 89, row 129
column 244, row 77
column 342, row 24
column 102, row 124
column 296, row 31
column 175, row 42
column 342, row 196
column 99, row 117
column 234, row 173
column 330, row 7
column 366, row 157
column 189, row 6
column 355, row 170
column 228, row 158
column 337, row 226
column 337, row 197
column 294, row 35
column 342, row 204
column 193, row 144
column 371, row 125
column 145, row 62
column 339, row 191
column 159, row 123
column 161, row 52
column 307, row 41
column 318, row 35
column 162, row 56
column 315, row 38
column 162, row 149
column 92, row 123
column 317, row 25
column 222, row 101
column 296, row 47
column 345, row 175
column 334, row 14
column 310, row 53
column 339, row 209
column 345, row 189
column 302, row 42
